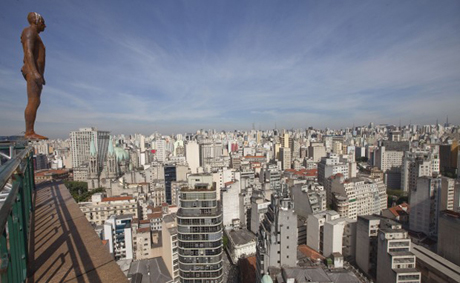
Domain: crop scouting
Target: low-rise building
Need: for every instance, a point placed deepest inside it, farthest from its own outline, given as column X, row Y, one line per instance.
column 101, row 208
column 241, row 244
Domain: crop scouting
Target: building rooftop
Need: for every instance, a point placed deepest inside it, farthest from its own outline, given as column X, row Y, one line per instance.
column 117, row 198
column 310, row 253
column 63, row 245
column 241, row 237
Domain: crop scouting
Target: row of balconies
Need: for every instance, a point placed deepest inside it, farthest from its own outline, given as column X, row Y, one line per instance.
column 199, row 229
column 205, row 245
column 201, row 252
column 201, row 274
column 199, row 221
column 206, row 267
column 199, row 260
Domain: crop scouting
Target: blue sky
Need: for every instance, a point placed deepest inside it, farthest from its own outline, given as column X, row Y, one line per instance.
column 178, row 66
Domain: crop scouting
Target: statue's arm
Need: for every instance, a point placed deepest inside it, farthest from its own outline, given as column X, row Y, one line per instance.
column 29, row 38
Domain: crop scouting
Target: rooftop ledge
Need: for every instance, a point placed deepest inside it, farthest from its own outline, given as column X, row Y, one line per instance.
column 63, row 245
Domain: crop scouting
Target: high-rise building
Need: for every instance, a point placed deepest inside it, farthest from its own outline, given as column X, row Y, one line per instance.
column 160, row 147
column 118, row 233
column 332, row 165
column 277, row 237
column 80, row 145
column 199, row 224
column 192, row 154
column 356, row 196
column 417, row 164
column 285, row 158
column 170, row 246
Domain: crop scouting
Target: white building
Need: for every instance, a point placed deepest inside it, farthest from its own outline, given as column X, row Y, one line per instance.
column 332, row 165
column 118, row 233
column 328, row 233
column 192, row 154
column 231, row 205
column 356, row 196
column 241, row 244
column 80, row 145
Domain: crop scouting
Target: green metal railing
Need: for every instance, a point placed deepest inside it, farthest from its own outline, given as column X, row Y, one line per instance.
column 16, row 187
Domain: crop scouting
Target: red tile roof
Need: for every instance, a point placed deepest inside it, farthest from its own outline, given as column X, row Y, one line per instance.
column 310, row 253
column 154, row 215
column 143, row 230
column 399, row 210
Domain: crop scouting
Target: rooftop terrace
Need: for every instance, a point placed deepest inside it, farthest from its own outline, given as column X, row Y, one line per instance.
column 45, row 237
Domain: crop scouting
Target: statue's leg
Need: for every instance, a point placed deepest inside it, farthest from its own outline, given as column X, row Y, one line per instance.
column 33, row 101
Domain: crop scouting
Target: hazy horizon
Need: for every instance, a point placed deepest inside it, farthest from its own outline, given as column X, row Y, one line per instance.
column 174, row 66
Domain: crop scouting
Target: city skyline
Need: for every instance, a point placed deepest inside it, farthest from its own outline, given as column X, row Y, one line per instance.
column 181, row 66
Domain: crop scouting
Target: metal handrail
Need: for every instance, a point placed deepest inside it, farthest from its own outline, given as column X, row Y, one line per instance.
column 17, row 176
column 6, row 172
column 7, row 169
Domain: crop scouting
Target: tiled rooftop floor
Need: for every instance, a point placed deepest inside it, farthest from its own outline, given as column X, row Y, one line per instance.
column 63, row 245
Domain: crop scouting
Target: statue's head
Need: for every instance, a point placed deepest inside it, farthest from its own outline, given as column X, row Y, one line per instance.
column 36, row 19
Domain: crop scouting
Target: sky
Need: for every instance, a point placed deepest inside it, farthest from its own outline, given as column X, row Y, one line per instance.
column 178, row 66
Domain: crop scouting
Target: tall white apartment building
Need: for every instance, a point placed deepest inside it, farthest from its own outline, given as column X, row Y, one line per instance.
column 417, row 164
column 285, row 158
column 192, row 154
column 80, row 147
column 356, row 196
column 331, row 165
column 230, row 198
column 209, row 151
column 160, row 147
column 387, row 158
column 329, row 233
column 118, row 233
column 80, row 142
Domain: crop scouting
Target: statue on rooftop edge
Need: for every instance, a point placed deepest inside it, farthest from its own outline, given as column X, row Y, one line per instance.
column 33, row 70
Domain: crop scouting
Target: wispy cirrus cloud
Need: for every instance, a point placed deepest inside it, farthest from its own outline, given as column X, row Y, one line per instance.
column 178, row 66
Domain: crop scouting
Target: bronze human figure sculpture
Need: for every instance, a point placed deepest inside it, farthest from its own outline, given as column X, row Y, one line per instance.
column 33, row 70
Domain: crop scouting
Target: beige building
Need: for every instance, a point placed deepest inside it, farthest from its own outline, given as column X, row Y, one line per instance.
column 170, row 246
column 100, row 209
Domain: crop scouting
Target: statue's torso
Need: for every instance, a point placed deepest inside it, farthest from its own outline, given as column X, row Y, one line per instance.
column 39, row 53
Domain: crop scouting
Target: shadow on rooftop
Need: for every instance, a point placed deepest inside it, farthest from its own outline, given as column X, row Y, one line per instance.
column 63, row 245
